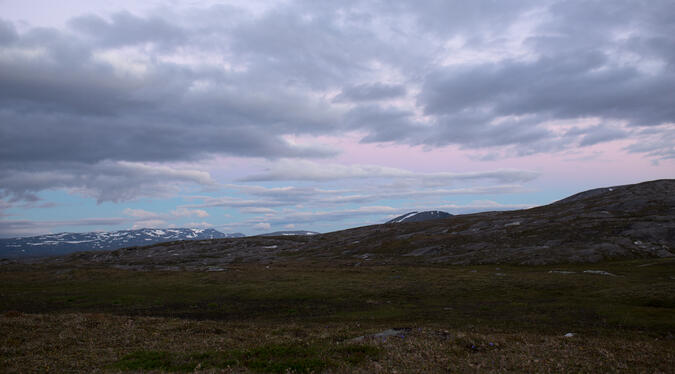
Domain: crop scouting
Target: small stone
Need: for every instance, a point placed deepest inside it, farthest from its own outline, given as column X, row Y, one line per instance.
column 569, row 335
column 599, row 272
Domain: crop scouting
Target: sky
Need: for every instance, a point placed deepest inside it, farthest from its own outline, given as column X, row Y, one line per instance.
column 258, row 116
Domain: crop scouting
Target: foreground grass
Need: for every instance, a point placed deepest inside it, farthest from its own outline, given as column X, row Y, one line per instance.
column 83, row 342
column 275, row 358
column 254, row 318
column 539, row 299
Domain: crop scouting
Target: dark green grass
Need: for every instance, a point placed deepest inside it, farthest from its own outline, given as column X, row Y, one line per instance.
column 490, row 296
column 270, row 358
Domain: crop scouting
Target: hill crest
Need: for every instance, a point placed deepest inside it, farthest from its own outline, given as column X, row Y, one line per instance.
column 632, row 221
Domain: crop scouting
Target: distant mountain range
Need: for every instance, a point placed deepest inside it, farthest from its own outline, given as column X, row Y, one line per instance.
column 420, row 216
column 64, row 243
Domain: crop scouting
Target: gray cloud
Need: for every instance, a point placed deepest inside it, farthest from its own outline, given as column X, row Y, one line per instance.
column 177, row 213
column 232, row 202
column 187, row 84
column 597, row 134
column 444, row 18
column 659, row 143
column 418, row 193
column 105, row 181
column 257, row 210
column 476, row 130
column 298, row 170
column 55, row 122
column 603, row 60
column 383, row 124
column 65, row 138
column 329, row 216
column 63, row 105
column 314, row 46
column 7, row 33
column 576, row 86
column 371, row 92
column 12, row 228
column 125, row 28
column 290, row 192
column 289, row 196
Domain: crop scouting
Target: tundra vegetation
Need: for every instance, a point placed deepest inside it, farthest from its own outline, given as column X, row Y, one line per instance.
column 305, row 317
column 584, row 285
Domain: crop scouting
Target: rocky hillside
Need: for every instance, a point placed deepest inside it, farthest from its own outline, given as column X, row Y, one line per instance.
column 287, row 233
column 632, row 221
column 420, row 216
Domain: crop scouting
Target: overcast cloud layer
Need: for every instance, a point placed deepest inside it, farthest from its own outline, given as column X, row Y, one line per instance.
column 117, row 106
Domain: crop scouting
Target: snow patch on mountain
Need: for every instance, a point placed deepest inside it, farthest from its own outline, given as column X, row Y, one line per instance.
column 287, row 233
column 420, row 216
column 66, row 242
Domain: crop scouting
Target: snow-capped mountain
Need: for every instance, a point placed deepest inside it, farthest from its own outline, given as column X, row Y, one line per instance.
column 420, row 216
column 63, row 243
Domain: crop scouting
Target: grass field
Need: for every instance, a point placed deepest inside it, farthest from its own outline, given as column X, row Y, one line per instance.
column 254, row 318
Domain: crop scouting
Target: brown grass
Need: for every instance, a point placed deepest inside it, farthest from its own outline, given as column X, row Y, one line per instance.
column 82, row 342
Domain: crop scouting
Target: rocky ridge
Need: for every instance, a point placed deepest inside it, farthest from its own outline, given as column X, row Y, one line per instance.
column 420, row 216
column 623, row 222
